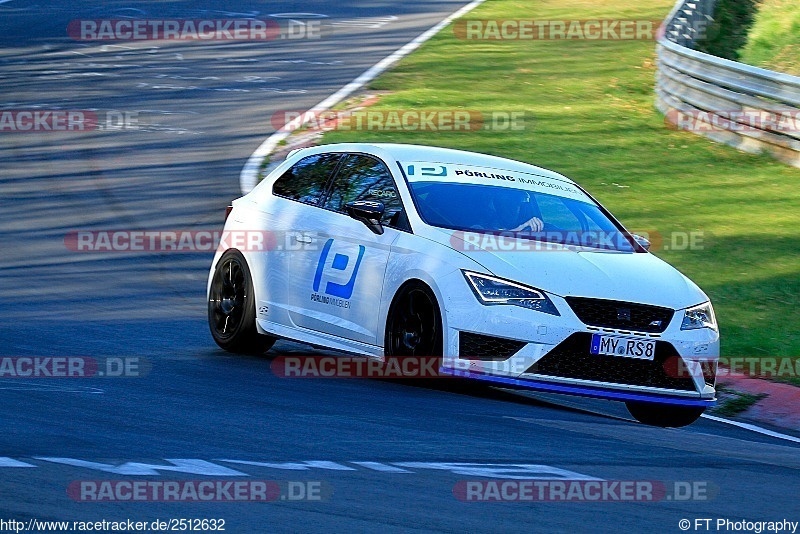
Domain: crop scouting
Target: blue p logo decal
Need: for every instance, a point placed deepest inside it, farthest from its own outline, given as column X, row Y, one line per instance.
column 339, row 263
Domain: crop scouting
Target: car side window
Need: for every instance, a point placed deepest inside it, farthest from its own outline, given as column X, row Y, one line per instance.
column 306, row 180
column 367, row 178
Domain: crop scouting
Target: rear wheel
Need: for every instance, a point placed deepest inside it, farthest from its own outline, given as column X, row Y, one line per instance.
column 232, row 307
column 663, row 415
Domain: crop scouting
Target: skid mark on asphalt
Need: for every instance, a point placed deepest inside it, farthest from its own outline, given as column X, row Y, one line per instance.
column 298, row 15
column 48, row 388
column 371, row 23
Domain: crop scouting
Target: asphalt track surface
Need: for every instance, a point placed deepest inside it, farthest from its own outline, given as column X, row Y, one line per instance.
column 201, row 109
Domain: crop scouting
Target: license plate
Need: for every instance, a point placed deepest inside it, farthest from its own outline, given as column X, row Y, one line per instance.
column 623, row 346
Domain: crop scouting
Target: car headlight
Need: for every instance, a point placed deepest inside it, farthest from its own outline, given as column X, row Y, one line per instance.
column 701, row 316
column 492, row 290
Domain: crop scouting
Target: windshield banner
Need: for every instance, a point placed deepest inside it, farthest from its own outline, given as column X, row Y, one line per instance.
column 420, row 171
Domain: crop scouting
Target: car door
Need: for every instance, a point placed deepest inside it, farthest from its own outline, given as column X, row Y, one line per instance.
column 338, row 284
column 286, row 214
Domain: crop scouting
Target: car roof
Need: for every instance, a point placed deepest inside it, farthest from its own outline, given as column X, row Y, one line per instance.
column 433, row 154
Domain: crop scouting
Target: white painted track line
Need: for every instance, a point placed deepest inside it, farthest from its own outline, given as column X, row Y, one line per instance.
column 752, row 428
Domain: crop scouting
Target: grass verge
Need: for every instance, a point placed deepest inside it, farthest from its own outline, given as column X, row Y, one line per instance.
column 732, row 403
column 589, row 114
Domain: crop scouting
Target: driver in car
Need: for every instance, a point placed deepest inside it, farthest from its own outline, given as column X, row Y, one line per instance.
column 519, row 207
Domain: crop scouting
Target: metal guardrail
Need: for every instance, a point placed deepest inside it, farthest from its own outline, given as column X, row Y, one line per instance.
column 753, row 109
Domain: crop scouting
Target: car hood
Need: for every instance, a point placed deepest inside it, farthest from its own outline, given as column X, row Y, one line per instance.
column 571, row 271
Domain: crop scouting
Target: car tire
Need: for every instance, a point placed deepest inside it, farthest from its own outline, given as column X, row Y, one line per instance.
column 663, row 415
column 414, row 323
column 232, row 307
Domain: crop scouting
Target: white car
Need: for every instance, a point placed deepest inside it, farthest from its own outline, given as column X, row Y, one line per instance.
column 510, row 273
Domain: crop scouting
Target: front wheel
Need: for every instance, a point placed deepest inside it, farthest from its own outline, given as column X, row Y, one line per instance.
column 414, row 330
column 663, row 415
column 232, row 307
column 414, row 326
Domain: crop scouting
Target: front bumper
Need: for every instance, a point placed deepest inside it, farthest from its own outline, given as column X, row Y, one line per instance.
column 523, row 348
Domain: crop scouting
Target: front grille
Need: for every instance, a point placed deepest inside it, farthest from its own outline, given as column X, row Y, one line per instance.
column 479, row 347
column 621, row 315
column 571, row 359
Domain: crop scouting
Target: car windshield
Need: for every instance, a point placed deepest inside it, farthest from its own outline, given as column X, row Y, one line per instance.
column 522, row 213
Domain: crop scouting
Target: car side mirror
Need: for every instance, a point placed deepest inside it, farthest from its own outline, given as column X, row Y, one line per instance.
column 368, row 212
column 642, row 241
